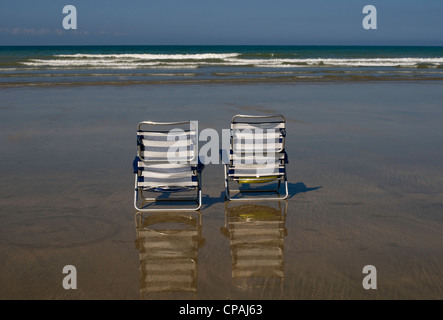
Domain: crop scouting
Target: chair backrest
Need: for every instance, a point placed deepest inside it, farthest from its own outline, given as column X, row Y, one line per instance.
column 250, row 133
column 167, row 154
column 258, row 141
column 167, row 142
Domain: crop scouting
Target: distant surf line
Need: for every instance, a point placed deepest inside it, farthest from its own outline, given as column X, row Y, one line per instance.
column 190, row 61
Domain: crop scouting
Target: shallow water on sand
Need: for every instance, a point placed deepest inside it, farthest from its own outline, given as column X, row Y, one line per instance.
column 366, row 188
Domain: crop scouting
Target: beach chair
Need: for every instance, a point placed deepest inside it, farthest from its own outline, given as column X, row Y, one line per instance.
column 166, row 167
column 256, row 159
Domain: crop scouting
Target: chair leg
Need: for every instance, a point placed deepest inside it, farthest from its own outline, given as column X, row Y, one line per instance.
column 286, row 190
column 226, row 184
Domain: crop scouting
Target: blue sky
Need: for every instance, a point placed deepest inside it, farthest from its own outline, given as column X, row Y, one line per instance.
column 202, row 22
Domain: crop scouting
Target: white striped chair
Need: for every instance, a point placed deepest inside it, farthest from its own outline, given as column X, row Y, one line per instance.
column 166, row 163
column 257, row 156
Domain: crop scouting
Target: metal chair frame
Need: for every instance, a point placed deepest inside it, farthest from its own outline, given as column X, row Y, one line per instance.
column 193, row 161
column 280, row 152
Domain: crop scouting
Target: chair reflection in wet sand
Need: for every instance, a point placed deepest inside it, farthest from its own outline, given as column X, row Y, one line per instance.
column 168, row 244
column 256, row 234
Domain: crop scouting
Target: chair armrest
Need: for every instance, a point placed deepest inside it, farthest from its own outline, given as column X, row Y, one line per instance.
column 135, row 164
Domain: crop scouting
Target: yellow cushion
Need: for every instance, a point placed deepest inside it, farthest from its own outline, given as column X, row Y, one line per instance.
column 257, row 180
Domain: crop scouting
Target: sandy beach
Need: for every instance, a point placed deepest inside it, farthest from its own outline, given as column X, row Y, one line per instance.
column 365, row 181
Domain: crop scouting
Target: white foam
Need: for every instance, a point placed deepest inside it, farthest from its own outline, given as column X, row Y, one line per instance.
column 192, row 61
column 143, row 56
column 351, row 62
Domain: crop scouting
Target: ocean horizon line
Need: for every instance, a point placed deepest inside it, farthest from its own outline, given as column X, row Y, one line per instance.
column 226, row 45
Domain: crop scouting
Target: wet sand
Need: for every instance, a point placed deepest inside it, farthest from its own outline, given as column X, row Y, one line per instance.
column 366, row 188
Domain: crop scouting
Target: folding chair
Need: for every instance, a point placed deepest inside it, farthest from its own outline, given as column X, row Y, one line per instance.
column 166, row 164
column 256, row 156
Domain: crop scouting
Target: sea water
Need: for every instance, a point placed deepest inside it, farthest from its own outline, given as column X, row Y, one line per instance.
column 52, row 65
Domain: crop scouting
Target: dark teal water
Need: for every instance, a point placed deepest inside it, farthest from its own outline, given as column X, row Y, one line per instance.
column 51, row 65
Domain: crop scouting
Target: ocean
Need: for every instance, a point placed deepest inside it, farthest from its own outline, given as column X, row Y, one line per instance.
column 123, row 65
